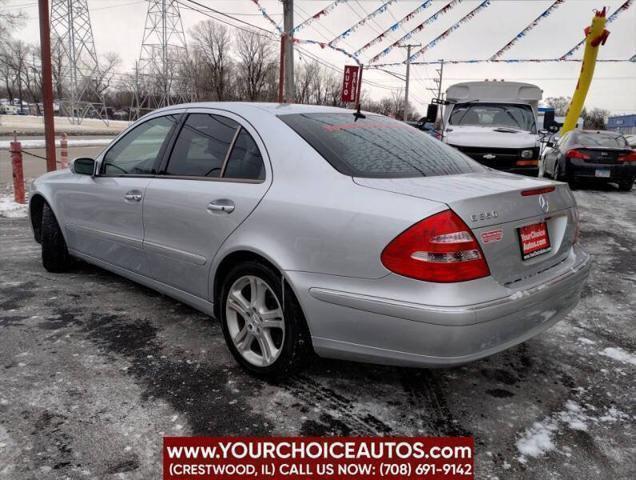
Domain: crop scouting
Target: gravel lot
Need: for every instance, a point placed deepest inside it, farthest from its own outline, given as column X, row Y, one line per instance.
column 95, row 369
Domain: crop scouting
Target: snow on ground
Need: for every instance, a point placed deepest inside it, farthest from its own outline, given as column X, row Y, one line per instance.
column 619, row 354
column 541, row 437
column 9, row 208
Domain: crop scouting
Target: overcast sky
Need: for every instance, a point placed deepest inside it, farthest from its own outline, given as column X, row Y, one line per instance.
column 118, row 26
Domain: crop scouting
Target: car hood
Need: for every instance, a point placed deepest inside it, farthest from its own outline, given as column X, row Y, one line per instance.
column 496, row 137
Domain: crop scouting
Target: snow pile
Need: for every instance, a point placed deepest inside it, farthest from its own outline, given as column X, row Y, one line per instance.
column 9, row 208
column 619, row 355
column 537, row 440
column 540, row 438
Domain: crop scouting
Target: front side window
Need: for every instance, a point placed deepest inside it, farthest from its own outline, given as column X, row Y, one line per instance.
column 137, row 152
column 202, row 146
column 378, row 146
column 494, row 115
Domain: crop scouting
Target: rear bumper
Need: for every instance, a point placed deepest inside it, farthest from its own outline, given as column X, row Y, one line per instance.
column 382, row 330
column 581, row 169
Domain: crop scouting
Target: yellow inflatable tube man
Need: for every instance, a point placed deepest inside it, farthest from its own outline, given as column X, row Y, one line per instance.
column 595, row 36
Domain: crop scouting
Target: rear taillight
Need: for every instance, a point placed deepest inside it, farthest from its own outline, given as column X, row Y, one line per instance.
column 628, row 157
column 440, row 248
column 577, row 154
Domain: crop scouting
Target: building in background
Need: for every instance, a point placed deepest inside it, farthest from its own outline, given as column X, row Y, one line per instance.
column 625, row 124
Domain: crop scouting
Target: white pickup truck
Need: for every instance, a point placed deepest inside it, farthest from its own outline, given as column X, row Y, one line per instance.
column 495, row 123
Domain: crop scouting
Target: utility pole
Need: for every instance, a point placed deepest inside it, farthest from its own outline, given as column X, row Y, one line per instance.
column 439, row 80
column 408, row 74
column 288, row 26
column 47, row 84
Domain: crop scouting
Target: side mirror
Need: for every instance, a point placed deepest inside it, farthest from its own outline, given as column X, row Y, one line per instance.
column 431, row 113
column 83, row 166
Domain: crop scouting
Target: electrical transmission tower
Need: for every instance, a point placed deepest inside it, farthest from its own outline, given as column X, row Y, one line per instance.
column 77, row 67
column 159, row 79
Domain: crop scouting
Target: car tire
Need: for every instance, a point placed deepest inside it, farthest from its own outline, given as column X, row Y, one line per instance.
column 626, row 185
column 55, row 256
column 268, row 346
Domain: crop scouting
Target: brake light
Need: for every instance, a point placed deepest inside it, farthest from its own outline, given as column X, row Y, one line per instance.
column 440, row 248
column 628, row 157
column 537, row 191
column 577, row 154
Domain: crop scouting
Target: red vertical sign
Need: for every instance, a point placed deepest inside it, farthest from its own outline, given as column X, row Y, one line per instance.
column 350, row 83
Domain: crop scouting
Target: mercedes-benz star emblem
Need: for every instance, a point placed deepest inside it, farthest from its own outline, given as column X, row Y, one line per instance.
column 544, row 204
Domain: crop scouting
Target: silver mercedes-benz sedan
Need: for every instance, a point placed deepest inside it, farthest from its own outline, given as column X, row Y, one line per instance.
column 314, row 228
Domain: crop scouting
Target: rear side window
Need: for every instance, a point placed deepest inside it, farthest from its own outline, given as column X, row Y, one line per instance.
column 245, row 161
column 377, row 146
column 202, row 146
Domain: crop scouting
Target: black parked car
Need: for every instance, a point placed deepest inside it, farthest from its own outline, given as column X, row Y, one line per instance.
column 590, row 154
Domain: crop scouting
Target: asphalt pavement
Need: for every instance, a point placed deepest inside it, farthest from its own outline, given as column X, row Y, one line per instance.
column 94, row 370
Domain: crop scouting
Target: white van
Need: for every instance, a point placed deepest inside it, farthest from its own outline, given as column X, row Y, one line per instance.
column 495, row 123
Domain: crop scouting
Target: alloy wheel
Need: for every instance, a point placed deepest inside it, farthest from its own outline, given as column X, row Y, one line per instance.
column 255, row 320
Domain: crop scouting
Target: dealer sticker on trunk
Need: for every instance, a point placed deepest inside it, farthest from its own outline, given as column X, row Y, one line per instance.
column 492, row 236
column 534, row 240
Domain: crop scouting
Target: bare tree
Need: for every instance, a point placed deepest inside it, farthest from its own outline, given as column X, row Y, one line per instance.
column 211, row 45
column 256, row 64
column 105, row 75
column 595, row 119
column 8, row 21
column 560, row 104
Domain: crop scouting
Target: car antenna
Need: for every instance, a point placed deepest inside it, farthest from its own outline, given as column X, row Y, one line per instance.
column 358, row 114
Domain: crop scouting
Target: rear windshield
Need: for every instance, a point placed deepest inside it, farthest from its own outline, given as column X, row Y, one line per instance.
column 378, row 146
column 600, row 139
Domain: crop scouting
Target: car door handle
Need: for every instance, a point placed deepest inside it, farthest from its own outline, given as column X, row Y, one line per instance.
column 133, row 196
column 222, row 205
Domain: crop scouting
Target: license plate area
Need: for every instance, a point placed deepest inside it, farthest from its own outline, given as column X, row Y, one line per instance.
column 602, row 172
column 534, row 240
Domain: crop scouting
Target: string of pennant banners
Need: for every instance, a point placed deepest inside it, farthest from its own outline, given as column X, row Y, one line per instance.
column 419, row 9
column 610, row 19
column 523, row 32
column 381, row 9
column 510, row 60
column 445, row 9
column 317, row 15
column 395, row 26
column 466, row 18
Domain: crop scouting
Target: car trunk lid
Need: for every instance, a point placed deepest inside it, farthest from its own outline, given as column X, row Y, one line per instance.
column 495, row 207
column 604, row 155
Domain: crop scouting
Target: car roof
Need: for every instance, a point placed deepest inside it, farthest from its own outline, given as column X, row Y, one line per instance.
column 599, row 132
column 271, row 108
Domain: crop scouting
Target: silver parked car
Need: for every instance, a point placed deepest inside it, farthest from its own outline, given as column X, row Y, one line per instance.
column 304, row 227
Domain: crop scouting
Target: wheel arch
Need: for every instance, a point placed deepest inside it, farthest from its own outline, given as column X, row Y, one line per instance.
column 36, row 206
column 236, row 257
